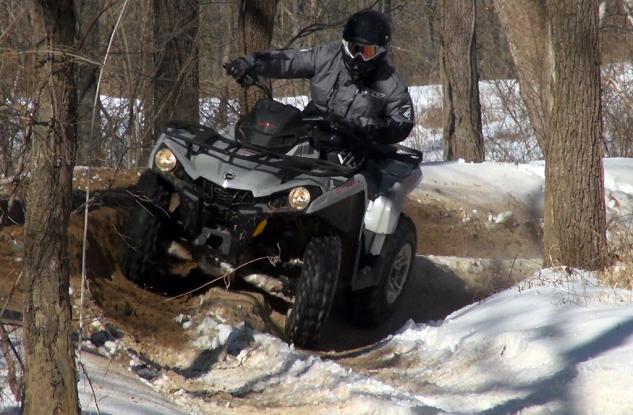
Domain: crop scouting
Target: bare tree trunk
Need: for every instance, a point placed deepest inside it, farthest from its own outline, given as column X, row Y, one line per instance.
column 176, row 84
column 524, row 22
column 385, row 7
column 575, row 224
column 146, row 66
column 256, row 22
column 614, row 10
column 223, row 109
column 88, row 147
column 51, row 375
column 6, row 148
column 615, row 31
column 462, row 110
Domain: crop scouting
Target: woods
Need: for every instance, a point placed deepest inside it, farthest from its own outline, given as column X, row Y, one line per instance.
column 569, row 101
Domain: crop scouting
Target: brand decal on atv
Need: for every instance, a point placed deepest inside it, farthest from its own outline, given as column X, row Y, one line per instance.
column 229, row 175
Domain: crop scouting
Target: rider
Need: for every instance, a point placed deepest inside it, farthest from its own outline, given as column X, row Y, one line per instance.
column 353, row 80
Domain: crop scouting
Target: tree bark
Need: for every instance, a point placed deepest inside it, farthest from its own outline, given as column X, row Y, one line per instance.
column 460, row 78
column 524, row 22
column 88, row 146
column 6, row 148
column 385, row 7
column 176, row 83
column 51, row 375
column 256, row 23
column 227, row 53
column 575, row 220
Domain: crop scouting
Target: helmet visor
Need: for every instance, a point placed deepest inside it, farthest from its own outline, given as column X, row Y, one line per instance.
column 366, row 52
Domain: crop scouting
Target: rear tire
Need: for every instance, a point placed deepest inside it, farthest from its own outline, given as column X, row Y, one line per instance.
column 370, row 307
column 315, row 290
column 144, row 228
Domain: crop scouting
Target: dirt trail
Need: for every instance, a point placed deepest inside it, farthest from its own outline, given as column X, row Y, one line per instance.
column 151, row 318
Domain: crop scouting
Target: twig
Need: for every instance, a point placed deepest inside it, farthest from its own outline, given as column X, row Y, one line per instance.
column 85, row 230
column 272, row 259
column 511, row 268
column 15, row 285
column 94, row 394
column 16, row 388
column 15, row 385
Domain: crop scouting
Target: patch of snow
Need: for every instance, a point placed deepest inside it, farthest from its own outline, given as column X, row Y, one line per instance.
column 501, row 218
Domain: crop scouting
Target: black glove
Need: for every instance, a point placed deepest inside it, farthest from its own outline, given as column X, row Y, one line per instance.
column 238, row 69
column 367, row 131
column 323, row 139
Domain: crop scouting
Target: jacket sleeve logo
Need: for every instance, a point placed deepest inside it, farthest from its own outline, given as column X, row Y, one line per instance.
column 406, row 111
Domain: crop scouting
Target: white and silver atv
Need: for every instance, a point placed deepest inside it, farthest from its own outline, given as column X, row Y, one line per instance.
column 272, row 190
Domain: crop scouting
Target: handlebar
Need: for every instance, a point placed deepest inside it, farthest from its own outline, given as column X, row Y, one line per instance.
column 251, row 79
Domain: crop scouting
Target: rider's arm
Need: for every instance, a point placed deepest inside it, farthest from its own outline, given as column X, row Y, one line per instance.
column 397, row 122
column 284, row 64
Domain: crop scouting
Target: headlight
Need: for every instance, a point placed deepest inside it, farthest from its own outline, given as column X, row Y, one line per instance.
column 165, row 160
column 299, row 198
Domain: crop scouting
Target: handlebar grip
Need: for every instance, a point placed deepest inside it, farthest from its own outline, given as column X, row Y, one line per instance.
column 247, row 80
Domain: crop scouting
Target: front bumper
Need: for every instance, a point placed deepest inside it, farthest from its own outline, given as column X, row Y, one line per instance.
column 211, row 220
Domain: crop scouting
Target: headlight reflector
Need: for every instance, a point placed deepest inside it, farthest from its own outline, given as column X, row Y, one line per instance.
column 165, row 160
column 299, row 198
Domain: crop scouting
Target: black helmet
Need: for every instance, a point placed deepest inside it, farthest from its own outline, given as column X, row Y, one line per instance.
column 368, row 27
column 366, row 37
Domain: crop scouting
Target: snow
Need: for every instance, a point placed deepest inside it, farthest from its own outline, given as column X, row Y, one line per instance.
column 119, row 392
column 559, row 342
column 487, row 184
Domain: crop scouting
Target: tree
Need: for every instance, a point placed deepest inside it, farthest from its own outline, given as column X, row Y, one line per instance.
column 87, row 74
column 460, row 82
column 385, row 6
column 176, row 82
column 575, row 219
column 557, row 54
column 256, row 23
column 51, row 375
column 227, row 53
column 524, row 22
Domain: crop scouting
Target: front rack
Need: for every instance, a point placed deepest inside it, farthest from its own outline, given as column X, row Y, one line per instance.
column 199, row 138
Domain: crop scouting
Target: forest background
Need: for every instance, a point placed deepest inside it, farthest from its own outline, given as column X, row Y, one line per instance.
column 127, row 113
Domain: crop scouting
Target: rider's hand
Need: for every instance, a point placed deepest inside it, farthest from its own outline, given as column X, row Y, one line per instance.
column 367, row 131
column 336, row 121
column 339, row 124
column 325, row 139
column 238, row 68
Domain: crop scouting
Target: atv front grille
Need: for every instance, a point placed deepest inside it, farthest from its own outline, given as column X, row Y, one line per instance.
column 229, row 198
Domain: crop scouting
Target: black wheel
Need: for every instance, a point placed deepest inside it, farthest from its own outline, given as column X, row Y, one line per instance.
column 144, row 228
column 372, row 306
column 315, row 290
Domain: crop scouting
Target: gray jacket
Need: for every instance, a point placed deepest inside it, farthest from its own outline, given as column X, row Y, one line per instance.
column 383, row 109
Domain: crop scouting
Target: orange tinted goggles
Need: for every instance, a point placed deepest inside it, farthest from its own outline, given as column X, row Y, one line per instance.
column 366, row 52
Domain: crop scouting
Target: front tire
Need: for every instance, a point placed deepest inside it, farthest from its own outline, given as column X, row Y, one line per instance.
column 371, row 306
column 144, row 228
column 315, row 290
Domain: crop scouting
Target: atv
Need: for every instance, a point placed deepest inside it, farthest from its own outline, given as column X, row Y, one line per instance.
column 276, row 190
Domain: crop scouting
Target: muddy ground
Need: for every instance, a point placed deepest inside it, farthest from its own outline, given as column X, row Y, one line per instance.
column 150, row 319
